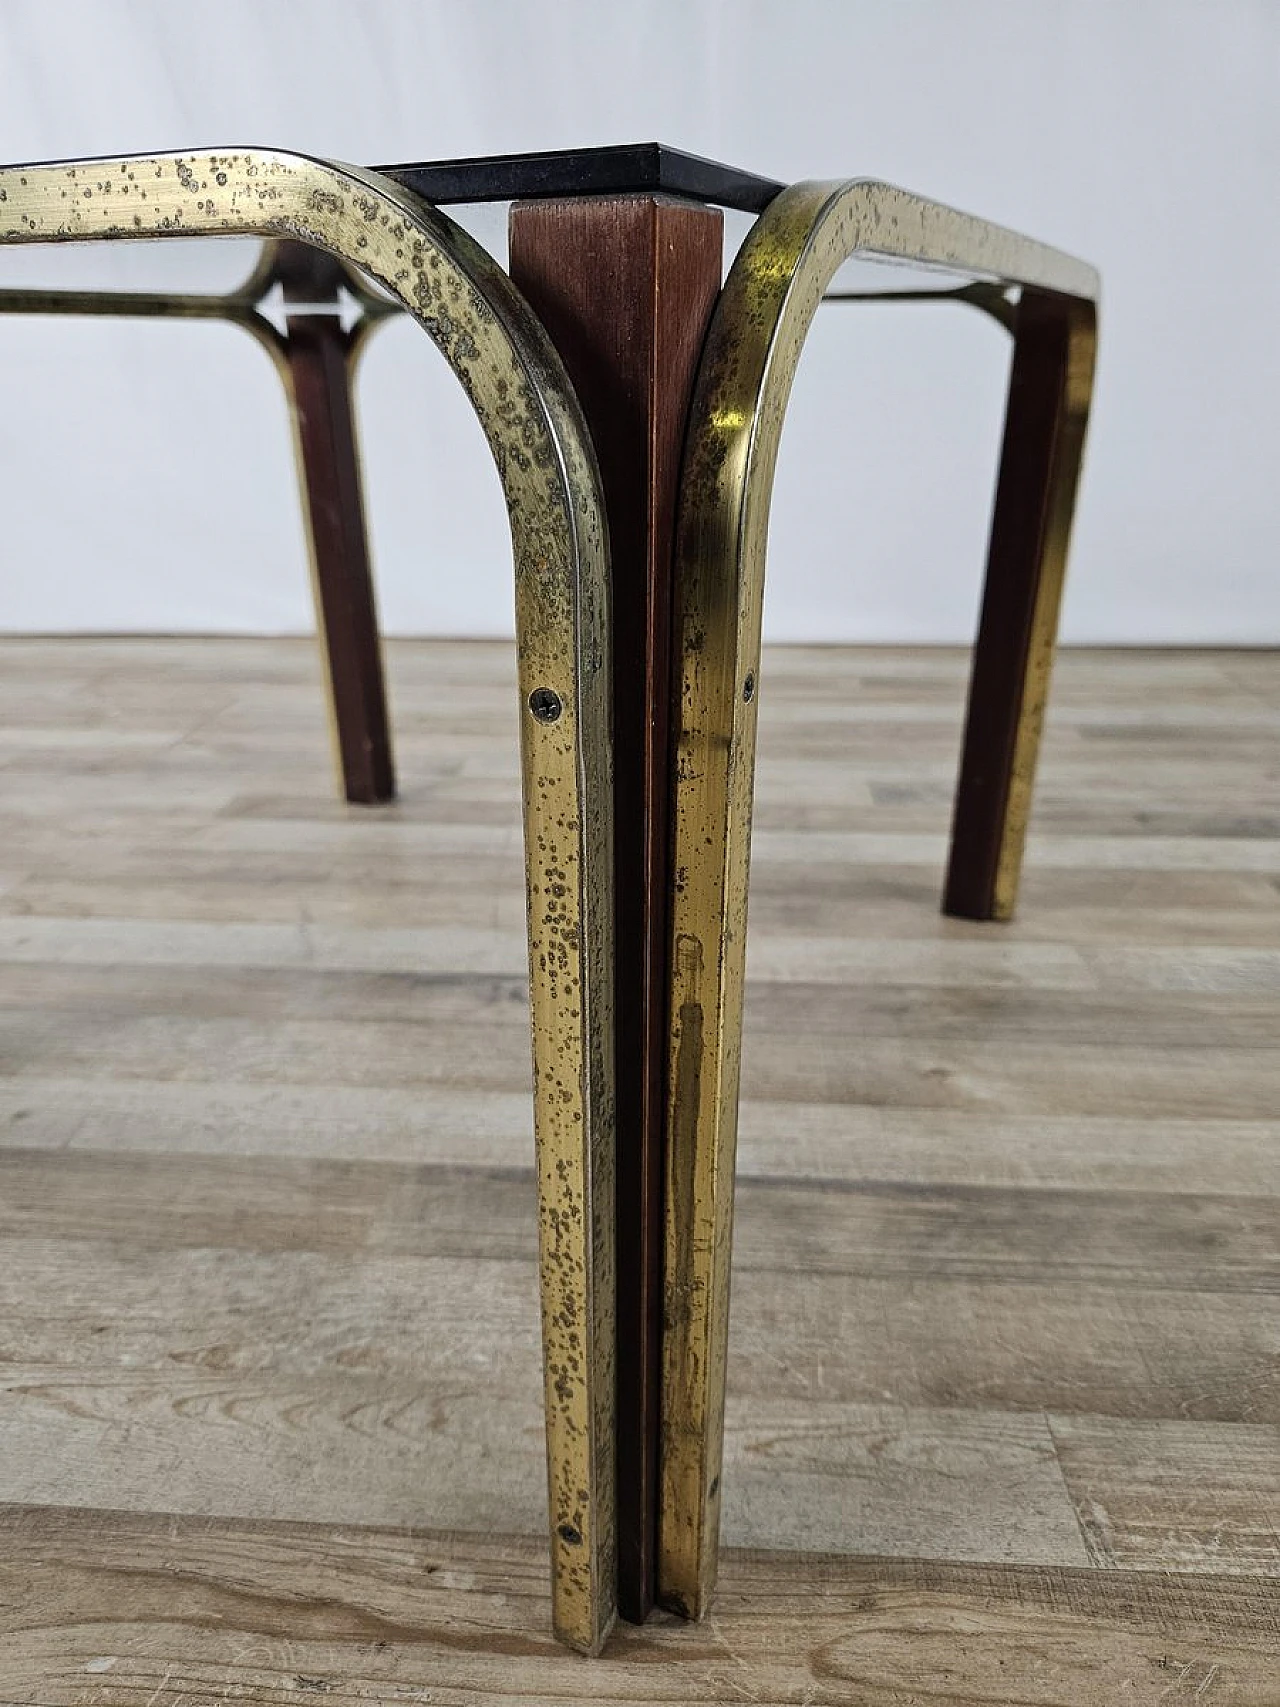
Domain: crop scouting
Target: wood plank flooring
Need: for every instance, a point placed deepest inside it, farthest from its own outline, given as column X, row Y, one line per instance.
column 1004, row 1422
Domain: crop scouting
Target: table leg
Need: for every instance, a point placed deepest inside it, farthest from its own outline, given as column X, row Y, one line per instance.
column 316, row 360
column 625, row 287
column 1048, row 409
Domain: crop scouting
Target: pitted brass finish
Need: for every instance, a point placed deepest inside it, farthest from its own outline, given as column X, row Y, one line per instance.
column 517, row 387
column 772, row 292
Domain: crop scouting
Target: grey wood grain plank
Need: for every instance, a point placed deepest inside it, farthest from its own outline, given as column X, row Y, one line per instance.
column 1170, row 1495
column 865, row 1228
column 1227, row 1003
column 460, row 1126
column 1111, row 1152
column 266, row 992
column 1182, row 1016
column 463, row 1449
column 1126, row 1079
column 118, row 1610
column 917, row 1482
column 952, row 1344
column 447, row 1124
column 1042, row 1079
column 1117, row 1351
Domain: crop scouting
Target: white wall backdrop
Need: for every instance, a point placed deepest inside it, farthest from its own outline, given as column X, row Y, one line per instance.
column 1141, row 134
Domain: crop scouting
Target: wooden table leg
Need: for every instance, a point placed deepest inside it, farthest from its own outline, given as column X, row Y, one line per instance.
column 1050, row 385
column 316, row 360
column 625, row 287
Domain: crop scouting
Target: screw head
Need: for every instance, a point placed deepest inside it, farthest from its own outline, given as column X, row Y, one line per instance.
column 545, row 704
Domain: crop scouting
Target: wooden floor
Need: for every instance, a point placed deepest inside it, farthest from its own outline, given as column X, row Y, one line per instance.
column 1005, row 1365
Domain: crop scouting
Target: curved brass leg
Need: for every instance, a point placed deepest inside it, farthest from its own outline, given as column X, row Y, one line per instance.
column 544, row 459
column 769, row 299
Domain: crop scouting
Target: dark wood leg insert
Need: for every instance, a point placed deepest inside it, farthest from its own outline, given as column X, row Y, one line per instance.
column 316, row 361
column 1048, row 409
column 625, row 287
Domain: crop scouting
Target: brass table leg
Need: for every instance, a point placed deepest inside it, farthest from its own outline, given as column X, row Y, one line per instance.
column 744, row 381
column 518, row 388
column 625, row 287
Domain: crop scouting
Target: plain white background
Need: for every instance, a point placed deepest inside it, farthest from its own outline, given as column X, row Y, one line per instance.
column 146, row 474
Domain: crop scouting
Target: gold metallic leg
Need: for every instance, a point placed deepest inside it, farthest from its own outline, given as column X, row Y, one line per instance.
column 769, row 299
column 517, row 387
column 1055, row 339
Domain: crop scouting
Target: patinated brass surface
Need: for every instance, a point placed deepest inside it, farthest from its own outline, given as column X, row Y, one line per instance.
column 769, row 300
column 518, row 390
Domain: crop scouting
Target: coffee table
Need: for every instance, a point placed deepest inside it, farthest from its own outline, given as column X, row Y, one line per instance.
column 633, row 409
